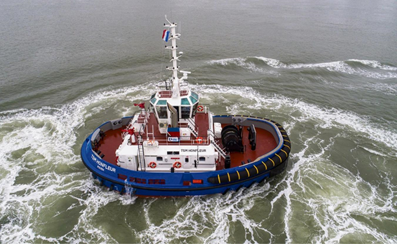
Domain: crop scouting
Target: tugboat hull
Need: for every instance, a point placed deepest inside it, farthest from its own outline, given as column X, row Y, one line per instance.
column 143, row 183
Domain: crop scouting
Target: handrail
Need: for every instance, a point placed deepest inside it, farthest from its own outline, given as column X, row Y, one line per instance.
column 193, row 142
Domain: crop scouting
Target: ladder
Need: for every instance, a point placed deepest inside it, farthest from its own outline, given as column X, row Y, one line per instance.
column 141, row 154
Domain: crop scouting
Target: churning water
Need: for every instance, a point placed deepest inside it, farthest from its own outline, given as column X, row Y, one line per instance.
column 326, row 71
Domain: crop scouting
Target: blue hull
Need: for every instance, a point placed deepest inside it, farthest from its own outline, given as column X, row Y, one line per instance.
column 142, row 183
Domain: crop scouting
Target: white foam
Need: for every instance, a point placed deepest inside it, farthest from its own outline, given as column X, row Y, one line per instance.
column 46, row 139
column 372, row 151
column 375, row 64
column 272, row 62
column 386, row 71
column 239, row 62
column 42, row 141
column 207, row 219
column 227, row 61
column 330, row 198
column 302, row 111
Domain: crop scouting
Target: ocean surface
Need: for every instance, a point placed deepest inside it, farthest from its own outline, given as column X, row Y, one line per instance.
column 325, row 70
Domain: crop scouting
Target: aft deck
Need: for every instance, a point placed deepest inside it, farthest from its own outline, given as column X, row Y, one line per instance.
column 265, row 143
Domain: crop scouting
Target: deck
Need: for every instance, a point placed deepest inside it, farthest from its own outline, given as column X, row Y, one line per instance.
column 265, row 141
column 201, row 123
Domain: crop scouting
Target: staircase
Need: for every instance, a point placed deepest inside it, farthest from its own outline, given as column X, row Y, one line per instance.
column 192, row 127
column 218, row 148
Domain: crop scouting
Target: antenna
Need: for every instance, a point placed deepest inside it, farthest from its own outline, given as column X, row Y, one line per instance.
column 165, row 16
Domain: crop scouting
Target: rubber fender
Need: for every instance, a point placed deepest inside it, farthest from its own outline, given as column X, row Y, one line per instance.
column 247, row 172
column 252, row 171
column 277, row 159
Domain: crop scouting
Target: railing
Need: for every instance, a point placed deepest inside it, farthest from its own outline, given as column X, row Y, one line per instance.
column 184, row 92
column 198, row 141
column 169, row 93
column 192, row 127
column 166, row 94
column 141, row 154
column 213, row 141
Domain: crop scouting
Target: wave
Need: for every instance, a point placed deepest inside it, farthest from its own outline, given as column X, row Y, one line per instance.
column 365, row 68
column 298, row 111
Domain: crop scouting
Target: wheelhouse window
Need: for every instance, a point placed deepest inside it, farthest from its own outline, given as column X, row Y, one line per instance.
column 185, row 111
column 202, row 159
column 193, row 100
column 161, row 102
column 185, row 101
column 162, row 111
column 153, row 100
column 195, row 95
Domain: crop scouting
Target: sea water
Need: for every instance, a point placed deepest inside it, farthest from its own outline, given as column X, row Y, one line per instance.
column 325, row 70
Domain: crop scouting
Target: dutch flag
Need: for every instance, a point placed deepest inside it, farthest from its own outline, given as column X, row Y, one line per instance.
column 166, row 35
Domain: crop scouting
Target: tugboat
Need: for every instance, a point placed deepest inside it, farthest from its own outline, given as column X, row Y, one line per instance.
column 174, row 146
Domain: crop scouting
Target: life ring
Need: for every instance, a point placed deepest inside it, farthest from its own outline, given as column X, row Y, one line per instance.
column 177, row 165
column 200, row 108
column 199, row 140
column 152, row 164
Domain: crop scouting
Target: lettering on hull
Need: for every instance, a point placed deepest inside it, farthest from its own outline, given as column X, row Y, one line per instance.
column 193, row 150
column 102, row 166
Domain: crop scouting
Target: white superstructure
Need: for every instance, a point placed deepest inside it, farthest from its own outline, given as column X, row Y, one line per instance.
column 174, row 133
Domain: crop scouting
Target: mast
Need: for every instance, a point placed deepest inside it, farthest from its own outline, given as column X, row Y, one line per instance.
column 174, row 36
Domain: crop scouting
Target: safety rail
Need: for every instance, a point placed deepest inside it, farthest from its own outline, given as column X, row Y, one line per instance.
column 192, row 127
column 184, row 92
column 169, row 93
column 212, row 140
column 140, row 140
column 165, row 94
column 197, row 141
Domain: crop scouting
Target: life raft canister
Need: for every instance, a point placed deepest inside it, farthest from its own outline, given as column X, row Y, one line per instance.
column 177, row 165
column 152, row 164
